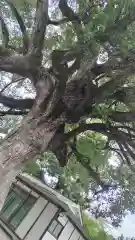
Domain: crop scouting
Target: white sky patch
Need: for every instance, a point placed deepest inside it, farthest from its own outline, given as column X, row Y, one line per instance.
column 127, row 227
column 114, row 161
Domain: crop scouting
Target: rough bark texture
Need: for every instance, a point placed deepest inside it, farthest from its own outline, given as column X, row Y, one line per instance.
column 25, row 143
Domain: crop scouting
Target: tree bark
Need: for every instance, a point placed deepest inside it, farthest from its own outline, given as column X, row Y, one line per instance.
column 29, row 140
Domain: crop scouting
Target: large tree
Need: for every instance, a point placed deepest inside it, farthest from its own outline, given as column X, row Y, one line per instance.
column 84, row 79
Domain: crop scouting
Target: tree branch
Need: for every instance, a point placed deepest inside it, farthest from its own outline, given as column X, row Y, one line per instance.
column 130, row 131
column 129, row 151
column 4, row 32
column 117, row 80
column 41, row 20
column 116, row 151
column 14, row 63
column 98, row 127
column 67, row 11
column 124, row 153
column 13, row 103
column 72, row 17
column 22, row 26
column 13, row 112
column 15, row 81
column 57, row 22
column 123, row 117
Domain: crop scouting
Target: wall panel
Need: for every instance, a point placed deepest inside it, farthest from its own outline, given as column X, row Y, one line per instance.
column 3, row 235
column 48, row 236
column 67, row 231
column 31, row 217
column 75, row 235
column 42, row 223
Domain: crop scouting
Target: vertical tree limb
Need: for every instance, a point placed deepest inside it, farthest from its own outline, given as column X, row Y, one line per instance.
column 41, row 21
column 69, row 13
column 5, row 33
column 22, row 26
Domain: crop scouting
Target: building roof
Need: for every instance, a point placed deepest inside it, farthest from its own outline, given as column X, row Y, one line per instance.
column 71, row 209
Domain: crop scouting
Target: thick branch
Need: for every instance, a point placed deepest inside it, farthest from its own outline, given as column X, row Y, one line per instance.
column 69, row 13
column 30, row 139
column 117, row 80
column 22, row 26
column 41, row 20
column 98, row 127
column 14, row 63
column 13, row 112
column 57, row 22
column 21, row 104
column 123, row 117
column 75, row 94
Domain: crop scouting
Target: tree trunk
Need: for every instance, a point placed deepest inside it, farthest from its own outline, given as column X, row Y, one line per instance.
column 29, row 140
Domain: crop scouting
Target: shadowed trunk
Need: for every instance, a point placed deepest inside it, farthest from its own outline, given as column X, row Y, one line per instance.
column 25, row 143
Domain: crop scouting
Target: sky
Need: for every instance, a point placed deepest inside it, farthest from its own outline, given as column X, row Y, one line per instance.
column 127, row 227
column 128, row 224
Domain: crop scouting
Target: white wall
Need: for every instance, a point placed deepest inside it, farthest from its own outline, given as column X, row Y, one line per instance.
column 42, row 223
column 62, row 219
column 67, row 231
column 48, row 236
column 70, row 233
column 3, row 235
column 75, row 235
column 31, row 217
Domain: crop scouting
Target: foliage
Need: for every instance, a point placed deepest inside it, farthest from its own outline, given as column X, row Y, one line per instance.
column 95, row 229
column 32, row 168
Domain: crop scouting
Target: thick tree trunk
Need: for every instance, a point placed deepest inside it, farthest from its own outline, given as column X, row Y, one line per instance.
column 29, row 140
